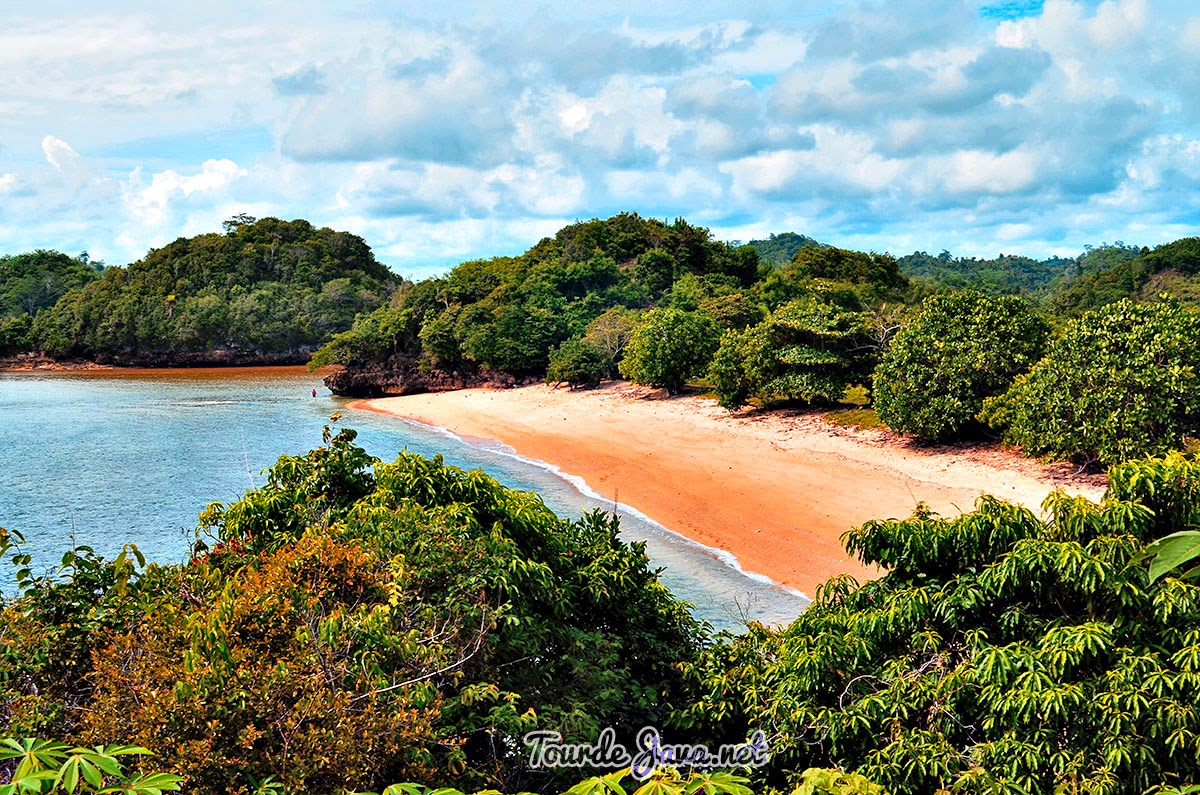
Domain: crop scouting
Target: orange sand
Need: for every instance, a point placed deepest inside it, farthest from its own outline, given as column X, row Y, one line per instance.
column 776, row 490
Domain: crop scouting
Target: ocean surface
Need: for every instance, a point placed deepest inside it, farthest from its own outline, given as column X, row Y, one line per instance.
column 105, row 458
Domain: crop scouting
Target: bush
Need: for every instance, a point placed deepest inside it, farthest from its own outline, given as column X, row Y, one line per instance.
column 576, row 363
column 1123, row 382
column 956, row 351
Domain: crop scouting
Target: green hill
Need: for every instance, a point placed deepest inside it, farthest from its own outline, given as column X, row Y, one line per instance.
column 507, row 315
column 31, row 282
column 266, row 290
column 779, row 249
column 1170, row 268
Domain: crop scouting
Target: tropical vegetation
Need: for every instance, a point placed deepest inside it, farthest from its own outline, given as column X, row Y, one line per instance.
column 955, row 350
column 1121, row 382
column 264, row 288
column 353, row 624
column 948, row 348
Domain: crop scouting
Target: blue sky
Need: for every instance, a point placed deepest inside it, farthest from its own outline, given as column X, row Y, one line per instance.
column 446, row 131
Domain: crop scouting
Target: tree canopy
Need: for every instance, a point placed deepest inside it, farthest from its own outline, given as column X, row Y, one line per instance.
column 1001, row 652
column 955, row 351
column 507, row 314
column 809, row 350
column 669, row 347
column 32, row 282
column 1121, row 383
column 267, row 287
column 350, row 624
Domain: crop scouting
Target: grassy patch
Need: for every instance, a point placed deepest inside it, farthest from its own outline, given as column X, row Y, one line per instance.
column 866, row 419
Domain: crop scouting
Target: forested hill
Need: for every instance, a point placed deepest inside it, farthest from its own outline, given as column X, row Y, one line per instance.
column 1171, row 268
column 778, row 249
column 31, row 282
column 517, row 316
column 265, row 290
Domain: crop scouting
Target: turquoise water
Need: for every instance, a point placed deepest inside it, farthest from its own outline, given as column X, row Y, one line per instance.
column 114, row 457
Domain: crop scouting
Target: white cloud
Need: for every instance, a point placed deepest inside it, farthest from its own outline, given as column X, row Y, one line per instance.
column 60, row 154
column 913, row 122
column 1117, row 23
column 978, row 172
column 153, row 204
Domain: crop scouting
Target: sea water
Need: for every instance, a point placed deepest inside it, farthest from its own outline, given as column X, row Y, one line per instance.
column 106, row 458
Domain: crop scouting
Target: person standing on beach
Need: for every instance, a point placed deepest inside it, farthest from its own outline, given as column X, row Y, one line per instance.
column 314, row 392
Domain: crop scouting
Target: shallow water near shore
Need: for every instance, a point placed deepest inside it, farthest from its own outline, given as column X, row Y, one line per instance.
column 131, row 456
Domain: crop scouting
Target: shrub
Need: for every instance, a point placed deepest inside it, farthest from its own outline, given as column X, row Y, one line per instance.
column 576, row 363
column 1123, row 382
column 956, row 351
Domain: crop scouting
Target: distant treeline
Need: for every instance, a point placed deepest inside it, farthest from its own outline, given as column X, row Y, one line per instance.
column 1089, row 359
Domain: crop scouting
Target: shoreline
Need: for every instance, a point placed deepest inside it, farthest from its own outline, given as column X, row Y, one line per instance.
column 577, row 482
column 774, row 490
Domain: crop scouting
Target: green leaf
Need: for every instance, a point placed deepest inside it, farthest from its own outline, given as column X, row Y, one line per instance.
column 1171, row 552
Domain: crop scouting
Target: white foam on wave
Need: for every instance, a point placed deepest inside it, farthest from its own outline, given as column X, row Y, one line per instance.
column 579, row 484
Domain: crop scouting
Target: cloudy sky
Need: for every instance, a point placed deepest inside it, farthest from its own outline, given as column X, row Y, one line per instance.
column 444, row 131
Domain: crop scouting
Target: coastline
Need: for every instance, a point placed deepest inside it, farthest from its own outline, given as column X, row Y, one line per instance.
column 776, row 490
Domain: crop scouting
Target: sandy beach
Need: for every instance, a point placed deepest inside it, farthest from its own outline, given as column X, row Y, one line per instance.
column 777, row 490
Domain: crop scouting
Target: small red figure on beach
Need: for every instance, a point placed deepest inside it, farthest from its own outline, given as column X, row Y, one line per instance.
column 314, row 392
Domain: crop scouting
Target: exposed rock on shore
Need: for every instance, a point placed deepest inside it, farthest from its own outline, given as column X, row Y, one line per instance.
column 408, row 378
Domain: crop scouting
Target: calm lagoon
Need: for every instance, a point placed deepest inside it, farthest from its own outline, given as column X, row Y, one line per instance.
column 110, row 457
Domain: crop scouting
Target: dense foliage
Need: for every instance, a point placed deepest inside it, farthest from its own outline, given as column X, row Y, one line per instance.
column 31, row 282
column 1001, row 653
column 356, row 623
column 956, row 350
column 669, row 347
column 803, row 330
column 508, row 313
column 264, row 287
column 1123, row 381
column 808, row 350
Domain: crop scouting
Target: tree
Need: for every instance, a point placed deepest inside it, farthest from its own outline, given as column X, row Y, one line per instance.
column 957, row 350
column 1122, row 382
column 807, row 350
column 669, row 347
column 610, row 332
column 577, row 363
column 231, row 225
